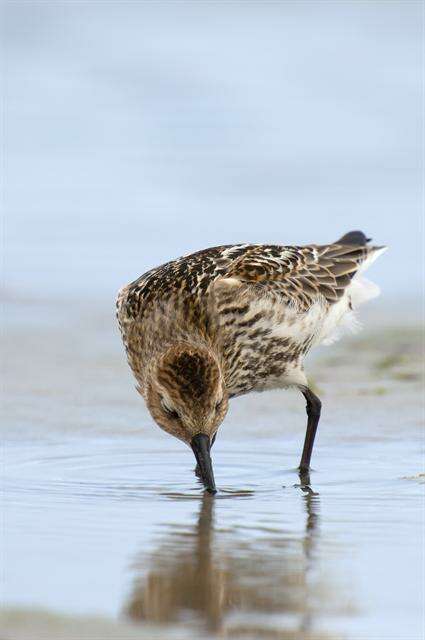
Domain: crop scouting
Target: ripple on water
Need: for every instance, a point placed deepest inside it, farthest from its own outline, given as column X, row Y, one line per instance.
column 107, row 471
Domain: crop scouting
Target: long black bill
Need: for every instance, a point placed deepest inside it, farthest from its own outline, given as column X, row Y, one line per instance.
column 201, row 448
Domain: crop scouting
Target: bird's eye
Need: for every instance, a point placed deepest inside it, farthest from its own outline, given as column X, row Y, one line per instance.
column 171, row 413
column 218, row 405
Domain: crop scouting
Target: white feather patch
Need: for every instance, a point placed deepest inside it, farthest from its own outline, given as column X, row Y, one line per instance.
column 373, row 255
column 341, row 317
column 349, row 324
column 361, row 290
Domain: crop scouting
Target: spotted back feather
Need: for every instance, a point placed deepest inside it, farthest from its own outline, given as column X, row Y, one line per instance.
column 300, row 274
column 255, row 309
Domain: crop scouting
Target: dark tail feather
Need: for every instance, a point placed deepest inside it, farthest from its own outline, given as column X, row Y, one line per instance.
column 354, row 237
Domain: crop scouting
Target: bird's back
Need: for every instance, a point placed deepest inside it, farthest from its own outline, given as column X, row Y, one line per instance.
column 262, row 306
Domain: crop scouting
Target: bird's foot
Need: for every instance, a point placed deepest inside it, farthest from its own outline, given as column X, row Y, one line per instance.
column 304, row 475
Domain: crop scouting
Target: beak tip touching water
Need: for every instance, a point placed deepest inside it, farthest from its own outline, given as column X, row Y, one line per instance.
column 201, row 446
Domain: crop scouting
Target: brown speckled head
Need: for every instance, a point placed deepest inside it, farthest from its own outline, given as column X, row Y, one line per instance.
column 186, row 393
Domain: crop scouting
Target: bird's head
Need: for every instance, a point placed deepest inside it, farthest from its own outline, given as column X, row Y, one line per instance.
column 186, row 397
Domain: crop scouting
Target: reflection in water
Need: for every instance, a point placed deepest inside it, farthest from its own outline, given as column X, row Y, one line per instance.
column 234, row 584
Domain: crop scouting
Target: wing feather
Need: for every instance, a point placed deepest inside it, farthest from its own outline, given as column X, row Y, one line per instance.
column 302, row 274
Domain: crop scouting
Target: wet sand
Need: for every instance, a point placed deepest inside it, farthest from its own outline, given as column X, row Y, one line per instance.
column 109, row 535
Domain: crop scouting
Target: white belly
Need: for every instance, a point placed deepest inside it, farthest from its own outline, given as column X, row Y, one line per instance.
column 323, row 323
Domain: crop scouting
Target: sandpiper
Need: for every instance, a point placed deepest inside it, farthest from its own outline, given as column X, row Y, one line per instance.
column 228, row 320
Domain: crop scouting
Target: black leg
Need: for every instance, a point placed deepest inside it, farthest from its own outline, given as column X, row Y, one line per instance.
column 313, row 408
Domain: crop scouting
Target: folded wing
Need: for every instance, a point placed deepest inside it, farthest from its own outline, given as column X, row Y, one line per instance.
column 302, row 274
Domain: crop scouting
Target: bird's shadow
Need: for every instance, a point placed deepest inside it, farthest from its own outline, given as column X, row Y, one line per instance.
column 205, row 573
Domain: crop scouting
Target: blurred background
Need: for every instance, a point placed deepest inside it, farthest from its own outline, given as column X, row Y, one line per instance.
column 140, row 131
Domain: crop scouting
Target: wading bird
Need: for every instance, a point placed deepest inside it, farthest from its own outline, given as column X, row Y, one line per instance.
column 228, row 320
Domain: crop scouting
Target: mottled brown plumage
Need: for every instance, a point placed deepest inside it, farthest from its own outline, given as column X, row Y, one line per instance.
column 231, row 319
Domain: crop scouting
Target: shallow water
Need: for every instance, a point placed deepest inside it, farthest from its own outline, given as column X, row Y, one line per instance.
column 109, row 534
